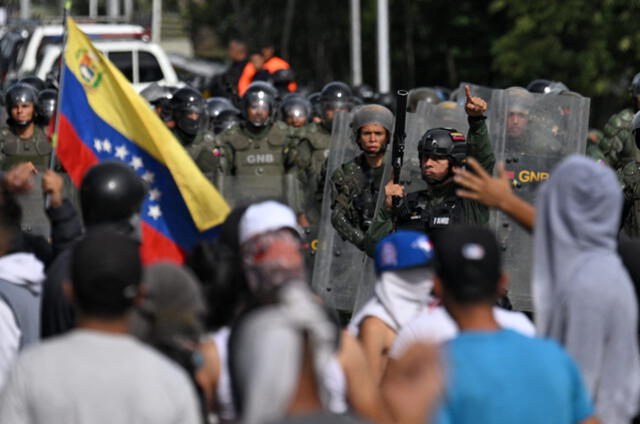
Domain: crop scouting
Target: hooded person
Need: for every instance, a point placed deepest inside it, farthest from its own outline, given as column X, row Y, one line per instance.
column 583, row 296
column 405, row 278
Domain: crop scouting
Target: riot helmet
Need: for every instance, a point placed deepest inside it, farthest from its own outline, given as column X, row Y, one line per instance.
column 111, row 193
column 376, row 115
column 365, row 93
column 215, row 106
column 34, row 82
column 258, row 104
column 188, row 107
column 442, row 143
column 20, row 94
column 226, row 120
column 46, row 105
column 295, row 111
column 335, row 96
column 421, row 94
column 387, row 100
column 282, row 78
column 519, row 104
column 159, row 96
column 546, row 86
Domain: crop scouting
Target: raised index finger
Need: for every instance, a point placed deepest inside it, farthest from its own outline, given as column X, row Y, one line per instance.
column 467, row 91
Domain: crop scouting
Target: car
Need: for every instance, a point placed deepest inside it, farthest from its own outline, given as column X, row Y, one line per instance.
column 142, row 63
column 31, row 52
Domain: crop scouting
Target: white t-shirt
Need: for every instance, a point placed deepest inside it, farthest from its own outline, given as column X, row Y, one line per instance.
column 95, row 377
column 437, row 326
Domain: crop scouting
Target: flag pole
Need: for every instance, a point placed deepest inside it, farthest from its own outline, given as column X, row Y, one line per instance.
column 54, row 136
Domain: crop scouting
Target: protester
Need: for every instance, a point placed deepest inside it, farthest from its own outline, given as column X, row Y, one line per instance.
column 493, row 374
column 575, row 252
column 98, row 373
column 404, row 264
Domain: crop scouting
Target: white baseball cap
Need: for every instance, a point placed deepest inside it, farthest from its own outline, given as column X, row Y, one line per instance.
column 267, row 216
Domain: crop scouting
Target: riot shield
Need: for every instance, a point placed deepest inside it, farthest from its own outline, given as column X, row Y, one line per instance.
column 339, row 266
column 533, row 132
column 245, row 189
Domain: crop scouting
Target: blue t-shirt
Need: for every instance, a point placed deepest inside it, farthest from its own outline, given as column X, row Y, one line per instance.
column 501, row 376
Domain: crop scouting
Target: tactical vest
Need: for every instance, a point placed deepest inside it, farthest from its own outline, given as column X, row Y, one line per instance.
column 425, row 212
column 259, row 155
column 36, row 149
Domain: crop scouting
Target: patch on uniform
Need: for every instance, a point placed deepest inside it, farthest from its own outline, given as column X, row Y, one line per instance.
column 388, row 255
column 457, row 136
column 216, row 152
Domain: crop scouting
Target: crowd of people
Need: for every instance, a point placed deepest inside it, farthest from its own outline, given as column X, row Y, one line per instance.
column 238, row 334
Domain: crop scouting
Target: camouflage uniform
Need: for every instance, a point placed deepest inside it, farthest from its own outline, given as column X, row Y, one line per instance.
column 617, row 145
column 437, row 207
column 629, row 178
column 355, row 187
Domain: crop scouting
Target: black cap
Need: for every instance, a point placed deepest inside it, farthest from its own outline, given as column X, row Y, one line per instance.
column 468, row 262
column 106, row 272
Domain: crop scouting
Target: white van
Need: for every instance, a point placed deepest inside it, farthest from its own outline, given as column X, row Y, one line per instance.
column 33, row 49
column 142, row 63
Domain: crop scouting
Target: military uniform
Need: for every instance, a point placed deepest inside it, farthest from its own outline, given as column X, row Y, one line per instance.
column 617, row 144
column 437, row 207
column 14, row 150
column 629, row 178
column 259, row 161
column 355, row 188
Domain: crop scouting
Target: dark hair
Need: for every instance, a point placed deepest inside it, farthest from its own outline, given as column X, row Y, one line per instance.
column 10, row 219
column 106, row 272
column 468, row 262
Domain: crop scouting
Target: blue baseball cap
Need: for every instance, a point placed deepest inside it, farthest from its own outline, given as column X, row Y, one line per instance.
column 403, row 249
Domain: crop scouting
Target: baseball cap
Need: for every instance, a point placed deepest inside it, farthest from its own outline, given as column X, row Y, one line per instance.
column 468, row 262
column 403, row 249
column 266, row 216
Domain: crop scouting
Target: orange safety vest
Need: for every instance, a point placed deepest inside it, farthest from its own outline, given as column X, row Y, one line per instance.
column 272, row 65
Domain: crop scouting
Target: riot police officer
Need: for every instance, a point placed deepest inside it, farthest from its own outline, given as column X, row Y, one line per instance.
column 355, row 184
column 256, row 155
column 46, row 106
column 159, row 96
column 219, row 110
column 23, row 140
column 629, row 177
column 617, row 144
column 440, row 150
column 295, row 111
column 188, row 108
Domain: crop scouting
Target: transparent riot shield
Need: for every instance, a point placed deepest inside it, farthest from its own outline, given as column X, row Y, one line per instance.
column 339, row 266
column 245, row 189
column 533, row 133
column 34, row 218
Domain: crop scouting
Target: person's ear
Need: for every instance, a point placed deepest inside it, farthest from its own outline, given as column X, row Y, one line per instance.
column 437, row 287
column 503, row 284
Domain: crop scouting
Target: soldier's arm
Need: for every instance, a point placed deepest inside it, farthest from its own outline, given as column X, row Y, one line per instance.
column 208, row 161
column 479, row 145
column 226, row 159
column 341, row 195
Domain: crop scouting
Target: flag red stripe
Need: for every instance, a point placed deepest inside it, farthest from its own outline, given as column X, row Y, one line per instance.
column 156, row 247
column 75, row 156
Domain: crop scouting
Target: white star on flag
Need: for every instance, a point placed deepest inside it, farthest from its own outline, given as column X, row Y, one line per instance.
column 106, row 146
column 155, row 212
column 148, row 177
column 155, row 194
column 136, row 162
column 121, row 152
column 97, row 144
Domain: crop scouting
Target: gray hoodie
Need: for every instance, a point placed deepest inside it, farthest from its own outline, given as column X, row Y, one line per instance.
column 583, row 296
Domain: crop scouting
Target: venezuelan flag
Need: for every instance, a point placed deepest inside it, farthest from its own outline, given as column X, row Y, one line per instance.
column 101, row 117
